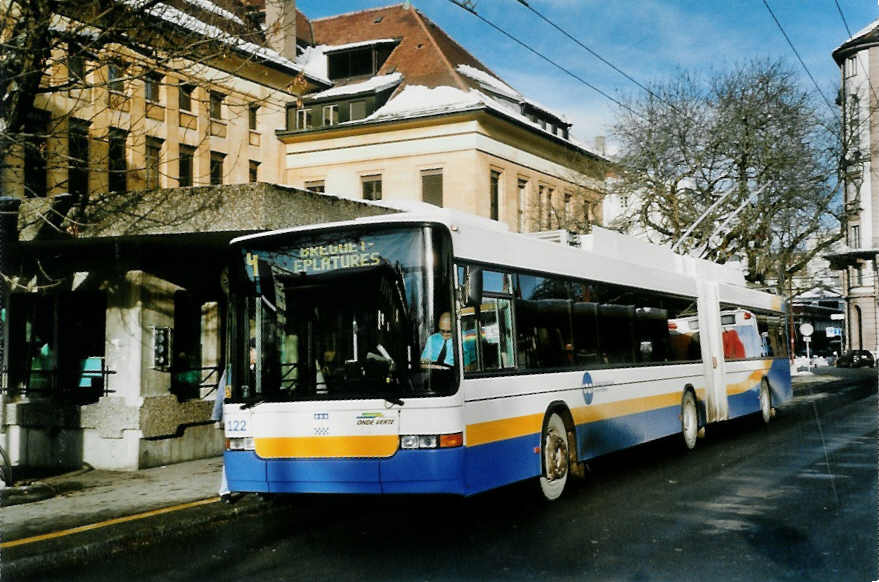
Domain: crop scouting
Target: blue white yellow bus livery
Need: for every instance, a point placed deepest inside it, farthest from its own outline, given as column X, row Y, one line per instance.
column 440, row 353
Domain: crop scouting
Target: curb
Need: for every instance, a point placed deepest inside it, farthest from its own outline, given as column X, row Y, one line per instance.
column 40, row 557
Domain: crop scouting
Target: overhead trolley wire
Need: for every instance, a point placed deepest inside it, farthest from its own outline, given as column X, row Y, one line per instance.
column 797, row 53
column 595, row 54
column 469, row 8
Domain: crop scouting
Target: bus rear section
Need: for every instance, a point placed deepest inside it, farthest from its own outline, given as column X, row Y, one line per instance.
column 755, row 354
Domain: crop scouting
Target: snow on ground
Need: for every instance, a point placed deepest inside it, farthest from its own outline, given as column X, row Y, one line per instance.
column 801, row 366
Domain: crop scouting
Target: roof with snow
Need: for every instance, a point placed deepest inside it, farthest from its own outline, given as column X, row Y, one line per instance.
column 434, row 75
column 864, row 38
column 226, row 24
column 371, row 85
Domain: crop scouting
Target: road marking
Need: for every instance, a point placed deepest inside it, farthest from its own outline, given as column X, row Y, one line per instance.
column 100, row 524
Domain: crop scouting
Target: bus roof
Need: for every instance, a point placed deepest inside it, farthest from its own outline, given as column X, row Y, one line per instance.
column 604, row 254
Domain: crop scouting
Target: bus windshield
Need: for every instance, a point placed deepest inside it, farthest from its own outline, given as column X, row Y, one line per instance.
column 345, row 314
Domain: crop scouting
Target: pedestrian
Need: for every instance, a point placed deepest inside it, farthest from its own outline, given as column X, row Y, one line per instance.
column 217, row 417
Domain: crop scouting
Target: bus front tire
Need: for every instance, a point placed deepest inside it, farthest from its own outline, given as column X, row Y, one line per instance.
column 554, row 448
column 689, row 420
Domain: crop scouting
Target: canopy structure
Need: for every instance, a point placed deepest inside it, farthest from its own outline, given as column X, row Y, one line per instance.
column 850, row 257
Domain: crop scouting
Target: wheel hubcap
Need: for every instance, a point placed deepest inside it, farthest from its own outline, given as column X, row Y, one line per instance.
column 556, row 456
column 689, row 423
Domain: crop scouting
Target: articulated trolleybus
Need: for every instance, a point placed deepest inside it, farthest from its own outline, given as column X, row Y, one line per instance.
column 439, row 353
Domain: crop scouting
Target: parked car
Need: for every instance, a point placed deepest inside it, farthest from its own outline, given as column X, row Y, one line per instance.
column 856, row 359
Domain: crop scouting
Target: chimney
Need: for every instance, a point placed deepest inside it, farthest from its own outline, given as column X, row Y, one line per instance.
column 281, row 27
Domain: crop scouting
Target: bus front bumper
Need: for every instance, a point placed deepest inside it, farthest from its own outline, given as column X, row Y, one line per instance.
column 407, row 471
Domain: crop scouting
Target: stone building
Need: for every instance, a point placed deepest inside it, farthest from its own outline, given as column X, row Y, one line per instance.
column 858, row 60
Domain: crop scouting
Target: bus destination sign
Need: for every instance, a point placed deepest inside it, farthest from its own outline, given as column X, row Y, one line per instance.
column 331, row 257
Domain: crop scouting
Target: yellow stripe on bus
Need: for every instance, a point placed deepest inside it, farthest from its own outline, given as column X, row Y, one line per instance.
column 326, row 447
column 749, row 383
column 596, row 412
column 508, row 428
column 491, row 431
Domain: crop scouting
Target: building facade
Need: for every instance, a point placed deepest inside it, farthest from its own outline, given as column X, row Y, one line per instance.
column 413, row 116
column 858, row 60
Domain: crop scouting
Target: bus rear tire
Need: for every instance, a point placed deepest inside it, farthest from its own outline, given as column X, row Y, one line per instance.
column 689, row 420
column 554, row 455
column 765, row 402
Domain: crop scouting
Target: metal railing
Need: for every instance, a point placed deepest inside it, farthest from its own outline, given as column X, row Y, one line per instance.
column 92, row 378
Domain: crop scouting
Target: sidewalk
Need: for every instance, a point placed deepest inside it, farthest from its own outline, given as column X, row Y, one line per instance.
column 37, row 534
column 88, row 513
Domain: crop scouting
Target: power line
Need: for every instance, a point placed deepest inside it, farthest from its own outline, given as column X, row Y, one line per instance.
column 841, row 15
column 595, row 54
column 793, row 48
column 468, row 6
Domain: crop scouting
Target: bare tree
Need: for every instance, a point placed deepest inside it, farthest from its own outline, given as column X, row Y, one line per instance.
column 572, row 203
column 740, row 166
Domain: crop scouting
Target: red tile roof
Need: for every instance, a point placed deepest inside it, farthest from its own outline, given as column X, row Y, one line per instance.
column 425, row 56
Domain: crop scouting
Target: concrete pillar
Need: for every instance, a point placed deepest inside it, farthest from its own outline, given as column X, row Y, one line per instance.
column 8, row 241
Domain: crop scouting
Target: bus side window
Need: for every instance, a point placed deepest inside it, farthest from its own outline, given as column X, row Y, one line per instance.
column 467, row 318
column 543, row 323
column 496, row 334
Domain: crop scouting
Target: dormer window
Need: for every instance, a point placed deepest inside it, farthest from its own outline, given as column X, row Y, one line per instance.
column 358, row 62
column 350, row 63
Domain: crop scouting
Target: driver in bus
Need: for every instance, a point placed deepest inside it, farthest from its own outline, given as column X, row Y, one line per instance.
column 439, row 348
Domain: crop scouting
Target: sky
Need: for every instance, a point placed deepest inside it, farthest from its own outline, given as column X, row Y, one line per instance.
column 650, row 40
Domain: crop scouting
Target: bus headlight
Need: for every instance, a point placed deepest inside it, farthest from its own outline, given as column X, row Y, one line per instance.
column 239, row 444
column 431, row 441
column 427, row 441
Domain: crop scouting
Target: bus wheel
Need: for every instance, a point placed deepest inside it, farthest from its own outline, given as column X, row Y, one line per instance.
column 554, row 453
column 689, row 420
column 765, row 402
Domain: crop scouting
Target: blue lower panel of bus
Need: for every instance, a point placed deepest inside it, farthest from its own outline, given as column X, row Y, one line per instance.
column 748, row 402
column 744, row 403
column 499, row 463
column 779, row 381
column 417, row 471
column 613, row 434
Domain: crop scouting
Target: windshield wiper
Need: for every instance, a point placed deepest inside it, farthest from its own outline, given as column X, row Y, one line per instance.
column 393, row 400
column 251, row 402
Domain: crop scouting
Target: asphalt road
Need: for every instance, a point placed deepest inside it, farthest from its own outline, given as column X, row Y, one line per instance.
column 796, row 500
